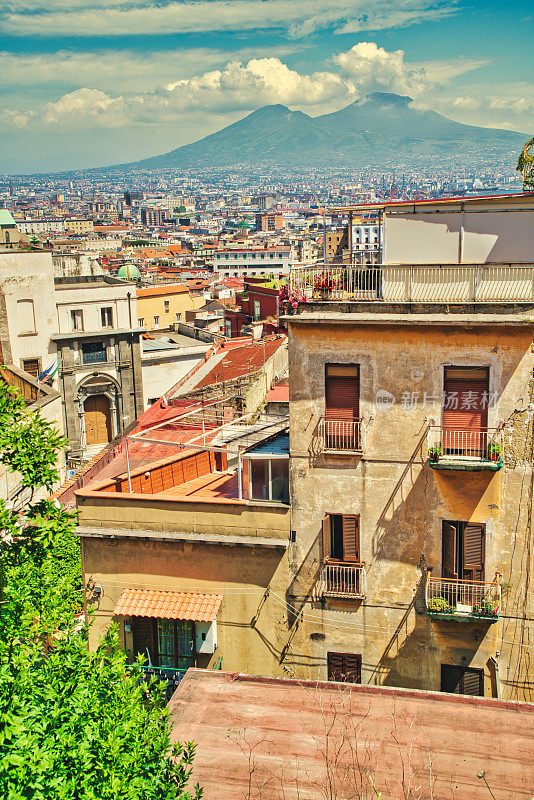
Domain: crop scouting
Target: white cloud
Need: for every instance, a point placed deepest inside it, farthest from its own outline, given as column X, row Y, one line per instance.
column 62, row 18
column 240, row 87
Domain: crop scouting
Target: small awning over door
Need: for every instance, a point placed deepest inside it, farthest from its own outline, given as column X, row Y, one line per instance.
column 168, row 605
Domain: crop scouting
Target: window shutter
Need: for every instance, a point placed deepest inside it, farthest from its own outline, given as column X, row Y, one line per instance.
column 473, row 682
column 353, row 668
column 342, row 390
column 449, row 550
column 465, row 405
column 474, row 552
column 326, row 537
column 335, row 666
column 351, row 539
column 143, row 637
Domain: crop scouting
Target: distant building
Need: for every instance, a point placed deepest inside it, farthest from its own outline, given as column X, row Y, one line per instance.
column 9, row 233
column 163, row 306
column 265, row 202
column 79, row 225
column 246, row 262
column 154, row 217
column 272, row 221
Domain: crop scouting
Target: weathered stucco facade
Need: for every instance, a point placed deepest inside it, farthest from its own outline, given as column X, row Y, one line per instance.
column 402, row 501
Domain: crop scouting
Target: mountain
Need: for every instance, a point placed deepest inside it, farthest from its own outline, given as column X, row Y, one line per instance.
column 380, row 129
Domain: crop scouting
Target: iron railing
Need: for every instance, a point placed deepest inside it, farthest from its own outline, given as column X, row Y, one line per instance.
column 169, row 676
column 342, row 580
column 421, row 283
column 468, row 444
column 340, row 436
column 465, row 598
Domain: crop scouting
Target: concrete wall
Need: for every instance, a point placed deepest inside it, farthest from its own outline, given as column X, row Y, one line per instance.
column 402, row 501
column 25, row 279
column 250, row 629
column 434, row 237
column 70, row 264
column 154, row 306
column 90, row 299
column 162, row 370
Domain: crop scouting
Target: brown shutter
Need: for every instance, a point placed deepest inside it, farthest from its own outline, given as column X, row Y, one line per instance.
column 335, row 666
column 327, row 526
column 449, row 550
column 472, row 682
column 473, row 567
column 342, row 392
column 351, row 539
column 353, row 668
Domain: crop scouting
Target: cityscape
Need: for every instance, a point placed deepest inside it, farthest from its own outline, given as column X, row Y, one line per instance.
column 266, row 402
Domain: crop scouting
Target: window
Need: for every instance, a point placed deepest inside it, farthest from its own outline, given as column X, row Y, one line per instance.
column 106, row 317
column 76, row 319
column 141, row 322
column 156, row 321
column 257, row 310
column 32, row 366
column 169, row 643
column 465, row 408
column 462, row 680
column 344, row 667
column 269, row 479
column 463, row 551
column 341, row 538
column 228, row 328
column 167, row 306
column 342, row 407
column 178, row 316
column 93, row 353
column 26, row 316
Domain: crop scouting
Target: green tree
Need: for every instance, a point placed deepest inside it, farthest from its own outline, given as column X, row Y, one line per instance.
column 525, row 165
column 74, row 724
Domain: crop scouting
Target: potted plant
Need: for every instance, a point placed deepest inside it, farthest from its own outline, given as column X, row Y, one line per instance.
column 434, row 453
column 494, row 451
column 324, row 284
column 439, row 605
column 486, row 608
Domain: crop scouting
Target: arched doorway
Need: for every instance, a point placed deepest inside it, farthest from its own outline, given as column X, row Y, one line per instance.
column 97, row 415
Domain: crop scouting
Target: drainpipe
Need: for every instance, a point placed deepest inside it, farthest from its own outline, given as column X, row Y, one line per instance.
column 129, row 296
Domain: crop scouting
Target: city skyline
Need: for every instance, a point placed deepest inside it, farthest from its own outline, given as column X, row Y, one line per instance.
column 87, row 84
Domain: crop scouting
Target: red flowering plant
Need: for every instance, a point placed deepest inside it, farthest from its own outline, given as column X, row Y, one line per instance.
column 289, row 298
column 325, row 282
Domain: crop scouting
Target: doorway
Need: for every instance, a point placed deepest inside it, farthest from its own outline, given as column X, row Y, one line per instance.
column 97, row 417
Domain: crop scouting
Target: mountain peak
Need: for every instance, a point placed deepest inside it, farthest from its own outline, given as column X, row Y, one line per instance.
column 389, row 99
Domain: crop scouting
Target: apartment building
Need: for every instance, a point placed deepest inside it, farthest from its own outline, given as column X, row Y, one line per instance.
column 163, row 306
column 411, row 396
column 99, row 352
column 154, row 217
column 41, row 225
column 79, row 226
column 252, row 261
column 270, row 221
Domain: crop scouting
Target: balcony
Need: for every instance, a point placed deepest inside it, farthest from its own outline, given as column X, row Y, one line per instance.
column 470, row 450
column 340, row 436
column 342, row 580
column 422, row 283
column 454, row 600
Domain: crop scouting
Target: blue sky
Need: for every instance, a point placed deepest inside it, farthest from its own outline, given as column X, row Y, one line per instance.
column 88, row 82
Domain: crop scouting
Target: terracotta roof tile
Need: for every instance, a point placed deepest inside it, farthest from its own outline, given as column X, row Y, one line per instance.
column 168, row 605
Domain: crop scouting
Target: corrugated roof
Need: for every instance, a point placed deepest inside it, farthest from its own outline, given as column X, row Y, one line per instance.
column 168, row 605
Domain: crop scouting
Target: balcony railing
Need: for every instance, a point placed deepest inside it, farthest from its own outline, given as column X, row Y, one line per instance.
column 342, row 580
column 169, row 676
column 340, row 436
column 458, row 598
column 422, row 283
column 482, row 447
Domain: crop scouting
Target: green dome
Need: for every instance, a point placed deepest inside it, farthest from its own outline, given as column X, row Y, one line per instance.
column 129, row 271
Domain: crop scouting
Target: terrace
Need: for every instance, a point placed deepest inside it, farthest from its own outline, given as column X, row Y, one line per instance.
column 420, row 283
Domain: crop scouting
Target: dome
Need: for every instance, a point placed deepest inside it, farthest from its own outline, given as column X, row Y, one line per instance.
column 129, row 271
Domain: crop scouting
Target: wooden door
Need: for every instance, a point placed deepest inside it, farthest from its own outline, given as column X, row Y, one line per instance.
column 449, row 547
column 465, row 411
column 97, row 420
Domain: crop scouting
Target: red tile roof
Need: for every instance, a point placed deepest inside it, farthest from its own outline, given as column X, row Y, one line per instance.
column 156, row 291
column 168, row 605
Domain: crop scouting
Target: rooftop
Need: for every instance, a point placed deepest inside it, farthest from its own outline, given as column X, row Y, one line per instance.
column 394, row 733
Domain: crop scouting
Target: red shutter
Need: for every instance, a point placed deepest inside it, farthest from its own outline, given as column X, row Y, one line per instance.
column 449, row 550
column 342, row 392
column 473, row 568
column 351, row 539
column 465, row 408
column 326, row 537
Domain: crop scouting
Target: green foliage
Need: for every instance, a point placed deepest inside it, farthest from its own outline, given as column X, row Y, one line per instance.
column 74, row 724
column 525, row 165
column 179, row 210
column 439, row 605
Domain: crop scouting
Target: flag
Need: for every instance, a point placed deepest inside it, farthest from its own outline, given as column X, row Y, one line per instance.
column 49, row 372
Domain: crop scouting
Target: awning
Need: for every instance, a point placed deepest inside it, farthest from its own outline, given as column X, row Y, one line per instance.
column 168, row 605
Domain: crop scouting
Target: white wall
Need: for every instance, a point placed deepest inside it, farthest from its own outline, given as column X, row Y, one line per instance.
column 161, row 371
column 29, row 277
column 90, row 300
column 434, row 238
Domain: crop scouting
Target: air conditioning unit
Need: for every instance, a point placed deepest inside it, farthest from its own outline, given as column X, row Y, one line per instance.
column 206, row 637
